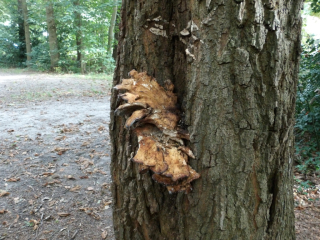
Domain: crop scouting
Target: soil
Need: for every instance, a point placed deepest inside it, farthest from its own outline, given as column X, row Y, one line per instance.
column 54, row 157
column 54, row 160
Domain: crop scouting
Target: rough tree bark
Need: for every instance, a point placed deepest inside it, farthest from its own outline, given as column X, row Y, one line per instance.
column 26, row 29
column 112, row 25
column 234, row 65
column 53, row 41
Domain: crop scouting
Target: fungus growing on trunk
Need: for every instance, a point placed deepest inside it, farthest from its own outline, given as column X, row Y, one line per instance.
column 152, row 113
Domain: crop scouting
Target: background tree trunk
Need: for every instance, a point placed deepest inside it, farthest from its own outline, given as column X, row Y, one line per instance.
column 77, row 18
column 53, row 41
column 116, row 36
column 235, row 74
column 112, row 24
column 21, row 33
column 26, row 29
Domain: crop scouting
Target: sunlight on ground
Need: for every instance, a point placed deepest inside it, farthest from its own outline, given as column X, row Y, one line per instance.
column 13, row 78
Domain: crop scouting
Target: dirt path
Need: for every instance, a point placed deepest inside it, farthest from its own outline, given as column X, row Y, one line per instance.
column 54, row 161
column 54, row 157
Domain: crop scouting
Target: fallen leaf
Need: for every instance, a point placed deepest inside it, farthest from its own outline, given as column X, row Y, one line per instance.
column 51, row 183
column 83, row 177
column 60, row 138
column 35, row 224
column 99, row 171
column 90, row 189
column 63, row 214
column 61, row 150
column 16, row 219
column 101, row 128
column 46, row 174
column 12, row 179
column 76, row 188
column 104, row 234
column 84, row 162
column 3, row 211
column 4, row 193
column 70, row 177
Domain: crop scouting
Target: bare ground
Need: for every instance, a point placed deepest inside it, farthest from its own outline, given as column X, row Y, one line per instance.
column 54, row 160
column 54, row 157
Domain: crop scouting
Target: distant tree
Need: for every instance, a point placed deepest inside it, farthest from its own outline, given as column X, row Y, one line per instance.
column 21, row 33
column 23, row 5
column 78, row 32
column 112, row 25
column 53, row 41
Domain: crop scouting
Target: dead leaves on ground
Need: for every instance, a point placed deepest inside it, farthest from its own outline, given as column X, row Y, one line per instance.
column 34, row 224
column 13, row 179
column 60, row 138
column 104, row 234
column 84, row 162
column 3, row 211
column 75, row 189
column 60, row 150
column 63, row 214
column 93, row 212
column 70, row 177
column 52, row 182
column 4, row 193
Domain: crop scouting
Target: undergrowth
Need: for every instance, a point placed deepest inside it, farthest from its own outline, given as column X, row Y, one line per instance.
column 307, row 128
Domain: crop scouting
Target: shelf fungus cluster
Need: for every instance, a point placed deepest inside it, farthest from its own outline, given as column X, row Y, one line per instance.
column 151, row 112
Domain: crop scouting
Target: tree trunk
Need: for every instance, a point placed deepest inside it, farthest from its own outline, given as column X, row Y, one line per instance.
column 26, row 30
column 111, row 27
column 21, row 34
column 53, row 41
column 235, row 66
column 116, row 36
column 77, row 18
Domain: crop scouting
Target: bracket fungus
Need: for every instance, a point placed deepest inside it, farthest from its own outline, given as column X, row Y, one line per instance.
column 152, row 113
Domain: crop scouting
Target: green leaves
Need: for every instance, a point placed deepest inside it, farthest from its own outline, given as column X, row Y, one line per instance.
column 307, row 128
column 315, row 6
column 82, row 27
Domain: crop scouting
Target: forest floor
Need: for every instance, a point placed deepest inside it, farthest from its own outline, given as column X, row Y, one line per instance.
column 54, row 157
column 54, row 160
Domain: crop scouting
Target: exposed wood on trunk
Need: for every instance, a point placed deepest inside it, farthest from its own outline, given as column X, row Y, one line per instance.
column 235, row 73
column 26, row 29
column 53, row 41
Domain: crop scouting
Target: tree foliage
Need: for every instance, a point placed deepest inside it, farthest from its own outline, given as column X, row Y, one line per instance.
column 307, row 128
column 95, row 23
column 308, row 109
column 315, row 5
